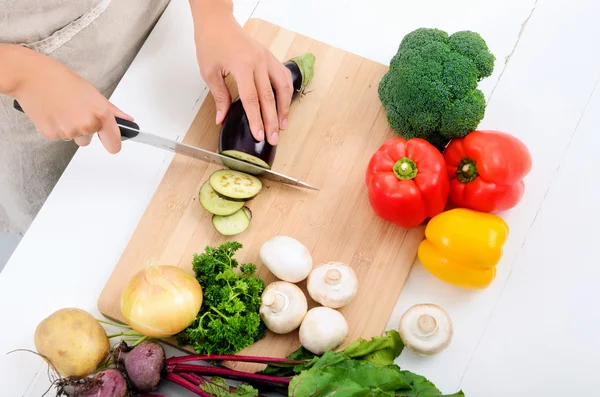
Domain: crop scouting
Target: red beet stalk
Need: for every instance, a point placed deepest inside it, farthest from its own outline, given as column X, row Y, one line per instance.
column 243, row 359
column 229, row 374
column 179, row 380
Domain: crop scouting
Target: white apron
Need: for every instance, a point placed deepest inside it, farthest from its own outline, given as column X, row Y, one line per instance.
column 98, row 39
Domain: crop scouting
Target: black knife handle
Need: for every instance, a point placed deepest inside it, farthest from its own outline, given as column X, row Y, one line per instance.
column 126, row 133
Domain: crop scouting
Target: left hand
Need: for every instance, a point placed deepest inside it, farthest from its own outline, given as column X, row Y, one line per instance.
column 222, row 47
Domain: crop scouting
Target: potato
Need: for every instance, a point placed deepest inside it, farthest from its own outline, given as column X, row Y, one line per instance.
column 73, row 341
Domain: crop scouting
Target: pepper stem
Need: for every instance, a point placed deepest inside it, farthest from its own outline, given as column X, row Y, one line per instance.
column 405, row 169
column 466, row 171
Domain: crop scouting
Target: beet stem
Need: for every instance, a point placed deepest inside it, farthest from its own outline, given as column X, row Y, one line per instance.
column 193, row 378
column 230, row 374
column 224, row 357
column 178, row 380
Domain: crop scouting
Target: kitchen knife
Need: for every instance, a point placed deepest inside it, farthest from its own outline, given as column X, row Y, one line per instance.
column 130, row 130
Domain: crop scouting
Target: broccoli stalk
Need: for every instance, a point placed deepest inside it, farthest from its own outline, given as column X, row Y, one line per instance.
column 229, row 318
column 430, row 90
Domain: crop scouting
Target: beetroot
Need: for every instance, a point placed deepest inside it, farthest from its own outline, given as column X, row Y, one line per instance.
column 107, row 383
column 144, row 365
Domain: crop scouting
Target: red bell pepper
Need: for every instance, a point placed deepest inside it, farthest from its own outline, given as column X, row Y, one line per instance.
column 486, row 170
column 407, row 181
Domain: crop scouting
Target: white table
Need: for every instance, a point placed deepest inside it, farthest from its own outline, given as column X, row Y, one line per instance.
column 532, row 333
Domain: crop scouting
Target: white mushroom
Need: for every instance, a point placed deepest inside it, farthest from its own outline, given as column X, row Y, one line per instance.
column 286, row 258
column 426, row 329
column 283, row 306
column 333, row 284
column 323, row 329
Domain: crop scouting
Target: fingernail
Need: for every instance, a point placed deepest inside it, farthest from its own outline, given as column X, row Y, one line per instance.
column 284, row 124
column 261, row 135
column 218, row 118
column 274, row 138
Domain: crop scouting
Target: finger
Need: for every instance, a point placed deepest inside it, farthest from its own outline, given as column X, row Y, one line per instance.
column 267, row 105
column 221, row 95
column 251, row 103
column 119, row 113
column 84, row 140
column 283, row 84
column 109, row 134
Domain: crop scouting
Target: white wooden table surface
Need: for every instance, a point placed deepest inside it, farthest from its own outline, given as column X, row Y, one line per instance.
column 532, row 333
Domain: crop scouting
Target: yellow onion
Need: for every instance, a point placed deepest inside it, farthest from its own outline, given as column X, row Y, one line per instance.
column 161, row 301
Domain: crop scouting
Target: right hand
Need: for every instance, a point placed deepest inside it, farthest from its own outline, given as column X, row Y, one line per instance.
column 63, row 105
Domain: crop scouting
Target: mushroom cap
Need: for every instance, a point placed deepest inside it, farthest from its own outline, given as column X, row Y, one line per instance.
column 426, row 329
column 322, row 329
column 333, row 284
column 283, row 306
column 287, row 258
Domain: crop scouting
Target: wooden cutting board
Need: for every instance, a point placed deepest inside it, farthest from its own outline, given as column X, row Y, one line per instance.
column 332, row 132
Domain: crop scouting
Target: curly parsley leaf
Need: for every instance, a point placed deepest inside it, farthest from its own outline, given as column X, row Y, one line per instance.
column 229, row 318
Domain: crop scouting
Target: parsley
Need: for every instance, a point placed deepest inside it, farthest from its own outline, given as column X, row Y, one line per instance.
column 229, row 319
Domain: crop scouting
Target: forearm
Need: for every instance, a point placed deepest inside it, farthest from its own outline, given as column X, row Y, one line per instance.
column 208, row 9
column 15, row 64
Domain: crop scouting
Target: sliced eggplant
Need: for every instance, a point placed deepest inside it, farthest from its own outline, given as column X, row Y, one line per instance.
column 236, row 139
column 233, row 224
column 235, row 185
column 246, row 158
column 215, row 204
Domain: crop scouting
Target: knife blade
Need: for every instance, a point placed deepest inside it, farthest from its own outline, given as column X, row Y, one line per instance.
column 131, row 131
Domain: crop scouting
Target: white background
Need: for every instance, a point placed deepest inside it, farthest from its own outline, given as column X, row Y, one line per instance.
column 532, row 333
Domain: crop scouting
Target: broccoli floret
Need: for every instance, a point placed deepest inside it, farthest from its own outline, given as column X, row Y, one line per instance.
column 430, row 90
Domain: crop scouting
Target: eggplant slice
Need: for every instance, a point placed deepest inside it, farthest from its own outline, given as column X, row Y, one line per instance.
column 233, row 224
column 235, row 185
column 215, row 204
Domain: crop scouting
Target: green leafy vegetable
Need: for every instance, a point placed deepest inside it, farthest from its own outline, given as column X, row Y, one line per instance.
column 356, row 377
column 229, row 319
column 364, row 368
column 218, row 387
column 379, row 350
column 422, row 387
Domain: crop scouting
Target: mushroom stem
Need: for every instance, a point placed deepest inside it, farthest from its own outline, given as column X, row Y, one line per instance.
column 427, row 324
column 333, row 276
column 274, row 301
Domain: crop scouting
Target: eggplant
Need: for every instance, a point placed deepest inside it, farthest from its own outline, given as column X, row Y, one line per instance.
column 215, row 204
column 234, row 185
column 236, row 140
column 234, row 224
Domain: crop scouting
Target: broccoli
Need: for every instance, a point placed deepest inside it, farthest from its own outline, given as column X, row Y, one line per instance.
column 430, row 90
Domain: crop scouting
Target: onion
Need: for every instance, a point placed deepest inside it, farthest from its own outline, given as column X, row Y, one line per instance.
column 161, row 301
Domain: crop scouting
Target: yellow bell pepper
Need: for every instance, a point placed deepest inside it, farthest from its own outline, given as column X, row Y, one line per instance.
column 462, row 247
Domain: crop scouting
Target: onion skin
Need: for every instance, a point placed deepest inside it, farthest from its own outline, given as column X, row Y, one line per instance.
column 161, row 301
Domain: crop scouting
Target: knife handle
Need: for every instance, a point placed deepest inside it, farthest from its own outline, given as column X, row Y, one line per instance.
column 126, row 133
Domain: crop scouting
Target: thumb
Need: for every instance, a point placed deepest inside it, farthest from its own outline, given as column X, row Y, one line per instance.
column 221, row 94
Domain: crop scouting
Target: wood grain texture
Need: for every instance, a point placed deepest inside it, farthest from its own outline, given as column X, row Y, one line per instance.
column 333, row 131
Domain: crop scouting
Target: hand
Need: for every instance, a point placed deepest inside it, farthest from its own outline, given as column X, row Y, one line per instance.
column 222, row 47
column 63, row 105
